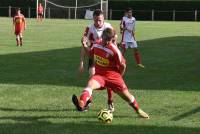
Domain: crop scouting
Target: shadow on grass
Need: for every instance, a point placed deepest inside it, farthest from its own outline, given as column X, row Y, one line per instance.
column 90, row 128
column 185, row 115
column 171, row 63
column 34, row 110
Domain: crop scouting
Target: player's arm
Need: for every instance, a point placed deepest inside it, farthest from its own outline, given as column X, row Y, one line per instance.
column 24, row 20
column 121, row 26
column 14, row 24
column 133, row 31
column 122, row 68
column 121, row 62
column 83, row 53
column 85, row 46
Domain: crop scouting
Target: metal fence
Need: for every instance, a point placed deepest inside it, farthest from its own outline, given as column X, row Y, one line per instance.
column 69, row 13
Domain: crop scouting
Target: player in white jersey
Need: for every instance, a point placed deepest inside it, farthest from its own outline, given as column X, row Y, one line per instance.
column 128, row 36
column 93, row 33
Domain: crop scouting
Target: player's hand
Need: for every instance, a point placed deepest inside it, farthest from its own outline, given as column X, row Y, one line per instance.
column 81, row 68
column 84, row 41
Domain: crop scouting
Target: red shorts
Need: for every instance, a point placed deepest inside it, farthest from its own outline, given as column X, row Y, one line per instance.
column 117, row 84
column 17, row 32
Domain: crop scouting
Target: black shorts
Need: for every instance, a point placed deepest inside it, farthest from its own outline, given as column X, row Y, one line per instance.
column 40, row 14
column 90, row 63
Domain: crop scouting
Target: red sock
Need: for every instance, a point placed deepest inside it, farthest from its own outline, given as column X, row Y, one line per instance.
column 137, row 57
column 84, row 97
column 110, row 96
column 135, row 105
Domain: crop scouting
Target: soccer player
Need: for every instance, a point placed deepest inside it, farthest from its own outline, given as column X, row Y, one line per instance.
column 110, row 67
column 19, row 25
column 40, row 12
column 93, row 33
column 128, row 36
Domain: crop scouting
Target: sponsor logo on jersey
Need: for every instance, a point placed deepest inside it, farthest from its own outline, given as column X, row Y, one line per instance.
column 101, row 61
column 18, row 20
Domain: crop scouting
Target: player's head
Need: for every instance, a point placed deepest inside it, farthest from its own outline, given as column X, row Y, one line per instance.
column 18, row 11
column 98, row 18
column 128, row 12
column 107, row 35
column 40, row 4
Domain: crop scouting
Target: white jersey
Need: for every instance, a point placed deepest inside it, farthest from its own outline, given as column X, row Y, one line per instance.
column 129, row 25
column 94, row 34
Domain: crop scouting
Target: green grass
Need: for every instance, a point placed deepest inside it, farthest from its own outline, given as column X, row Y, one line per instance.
column 38, row 79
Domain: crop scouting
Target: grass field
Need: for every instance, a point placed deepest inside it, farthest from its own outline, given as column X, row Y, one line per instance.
column 38, row 79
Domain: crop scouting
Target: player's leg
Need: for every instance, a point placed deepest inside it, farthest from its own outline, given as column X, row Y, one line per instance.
column 110, row 100
column 20, row 38
column 95, row 82
column 125, row 94
column 136, row 54
column 41, row 17
column 124, row 47
column 17, row 39
column 117, row 84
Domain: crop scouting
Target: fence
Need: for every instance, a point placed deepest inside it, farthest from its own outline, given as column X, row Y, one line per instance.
column 69, row 13
column 169, row 15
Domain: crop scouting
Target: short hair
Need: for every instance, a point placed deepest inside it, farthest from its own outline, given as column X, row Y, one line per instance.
column 108, row 34
column 128, row 9
column 97, row 12
column 17, row 9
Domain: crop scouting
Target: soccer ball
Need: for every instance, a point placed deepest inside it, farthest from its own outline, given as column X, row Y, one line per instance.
column 105, row 116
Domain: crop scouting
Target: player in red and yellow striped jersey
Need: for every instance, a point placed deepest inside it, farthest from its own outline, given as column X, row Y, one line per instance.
column 19, row 25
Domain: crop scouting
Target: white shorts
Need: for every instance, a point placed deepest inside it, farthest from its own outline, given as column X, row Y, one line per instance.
column 131, row 44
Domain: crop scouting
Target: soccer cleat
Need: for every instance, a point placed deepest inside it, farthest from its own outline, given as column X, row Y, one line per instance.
column 142, row 114
column 140, row 65
column 87, row 105
column 76, row 103
column 111, row 107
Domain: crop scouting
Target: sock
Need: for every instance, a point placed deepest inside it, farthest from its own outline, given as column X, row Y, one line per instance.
column 17, row 42
column 86, row 94
column 20, row 41
column 110, row 96
column 133, row 103
column 137, row 57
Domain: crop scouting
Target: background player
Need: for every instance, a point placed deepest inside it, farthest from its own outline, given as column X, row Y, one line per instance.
column 40, row 12
column 19, row 25
column 93, row 33
column 110, row 67
column 128, row 36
